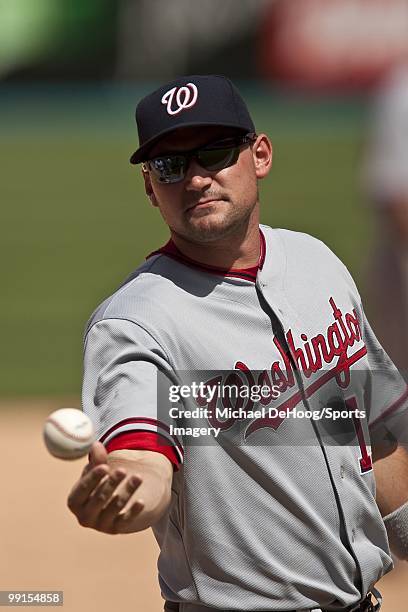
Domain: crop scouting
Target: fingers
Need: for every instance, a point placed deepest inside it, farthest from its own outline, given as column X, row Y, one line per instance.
column 100, row 497
column 119, row 503
column 98, row 454
column 124, row 520
column 85, row 486
column 104, row 491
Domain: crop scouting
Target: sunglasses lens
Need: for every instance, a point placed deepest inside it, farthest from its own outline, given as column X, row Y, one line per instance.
column 172, row 168
column 169, row 168
column 217, row 159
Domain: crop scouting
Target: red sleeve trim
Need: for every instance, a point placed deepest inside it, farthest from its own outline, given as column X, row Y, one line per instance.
column 134, row 421
column 144, row 440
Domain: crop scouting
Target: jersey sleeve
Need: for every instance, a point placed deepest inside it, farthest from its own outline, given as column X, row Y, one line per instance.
column 122, row 366
column 388, row 394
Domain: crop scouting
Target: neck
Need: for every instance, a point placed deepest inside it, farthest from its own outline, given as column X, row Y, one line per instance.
column 239, row 249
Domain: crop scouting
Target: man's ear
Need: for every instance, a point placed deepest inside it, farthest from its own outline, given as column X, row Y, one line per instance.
column 149, row 188
column 262, row 153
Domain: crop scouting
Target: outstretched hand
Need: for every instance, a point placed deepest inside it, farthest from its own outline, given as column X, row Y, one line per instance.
column 104, row 498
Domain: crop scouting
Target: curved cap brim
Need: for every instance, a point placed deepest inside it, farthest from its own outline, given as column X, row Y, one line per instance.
column 141, row 154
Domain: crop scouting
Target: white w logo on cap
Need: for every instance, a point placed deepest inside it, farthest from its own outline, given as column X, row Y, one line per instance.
column 185, row 97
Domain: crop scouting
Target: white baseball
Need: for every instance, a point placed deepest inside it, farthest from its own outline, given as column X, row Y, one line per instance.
column 68, row 433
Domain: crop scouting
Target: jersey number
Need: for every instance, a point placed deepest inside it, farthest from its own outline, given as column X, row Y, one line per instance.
column 366, row 463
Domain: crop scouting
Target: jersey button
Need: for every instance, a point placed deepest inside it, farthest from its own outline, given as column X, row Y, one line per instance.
column 342, row 471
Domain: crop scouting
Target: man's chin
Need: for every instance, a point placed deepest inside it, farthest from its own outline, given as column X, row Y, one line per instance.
column 209, row 228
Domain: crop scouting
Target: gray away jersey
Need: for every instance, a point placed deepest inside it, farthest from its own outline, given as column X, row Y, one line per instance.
column 264, row 516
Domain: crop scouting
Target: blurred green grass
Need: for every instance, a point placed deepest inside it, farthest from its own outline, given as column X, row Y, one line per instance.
column 75, row 220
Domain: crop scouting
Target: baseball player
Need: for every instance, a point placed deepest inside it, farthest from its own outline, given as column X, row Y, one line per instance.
column 256, row 500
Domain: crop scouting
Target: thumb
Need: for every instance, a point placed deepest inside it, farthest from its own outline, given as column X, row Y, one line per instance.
column 98, row 454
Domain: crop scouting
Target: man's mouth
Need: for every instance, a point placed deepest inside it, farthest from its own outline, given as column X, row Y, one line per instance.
column 203, row 203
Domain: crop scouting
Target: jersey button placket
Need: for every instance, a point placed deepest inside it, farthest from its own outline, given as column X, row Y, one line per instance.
column 342, row 471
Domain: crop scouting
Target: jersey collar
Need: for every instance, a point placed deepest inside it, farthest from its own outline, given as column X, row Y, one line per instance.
column 250, row 273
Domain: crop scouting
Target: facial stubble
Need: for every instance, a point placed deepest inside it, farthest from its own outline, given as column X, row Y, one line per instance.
column 204, row 226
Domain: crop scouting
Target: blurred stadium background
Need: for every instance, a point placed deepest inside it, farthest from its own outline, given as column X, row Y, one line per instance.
column 74, row 220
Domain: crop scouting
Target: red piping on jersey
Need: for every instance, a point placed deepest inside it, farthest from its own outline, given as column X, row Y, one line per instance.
column 144, row 440
column 250, row 273
column 391, row 408
column 140, row 421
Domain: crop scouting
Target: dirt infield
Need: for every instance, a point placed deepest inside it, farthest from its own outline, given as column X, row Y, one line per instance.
column 43, row 547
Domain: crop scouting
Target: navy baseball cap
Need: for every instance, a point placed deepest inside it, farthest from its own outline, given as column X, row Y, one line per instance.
column 197, row 100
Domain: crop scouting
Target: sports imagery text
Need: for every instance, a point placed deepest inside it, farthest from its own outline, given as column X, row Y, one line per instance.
column 255, row 393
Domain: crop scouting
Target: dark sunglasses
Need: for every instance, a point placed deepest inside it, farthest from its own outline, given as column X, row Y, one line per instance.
column 172, row 167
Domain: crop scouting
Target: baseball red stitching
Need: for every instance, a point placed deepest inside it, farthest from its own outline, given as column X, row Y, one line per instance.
column 72, row 436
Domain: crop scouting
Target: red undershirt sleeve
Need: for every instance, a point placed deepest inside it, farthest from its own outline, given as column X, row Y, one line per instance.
column 144, row 440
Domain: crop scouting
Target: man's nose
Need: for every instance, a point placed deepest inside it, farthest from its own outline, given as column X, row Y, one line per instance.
column 197, row 177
